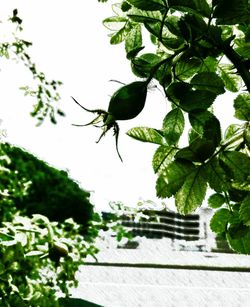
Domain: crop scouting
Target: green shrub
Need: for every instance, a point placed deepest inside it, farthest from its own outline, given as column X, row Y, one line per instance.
column 39, row 258
column 49, row 191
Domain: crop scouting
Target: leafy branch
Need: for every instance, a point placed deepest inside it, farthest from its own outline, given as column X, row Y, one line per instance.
column 193, row 42
column 239, row 63
column 45, row 92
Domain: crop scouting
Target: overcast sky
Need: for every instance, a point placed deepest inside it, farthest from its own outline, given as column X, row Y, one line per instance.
column 71, row 44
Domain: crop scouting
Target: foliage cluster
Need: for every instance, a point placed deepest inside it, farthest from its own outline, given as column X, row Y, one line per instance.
column 39, row 260
column 39, row 257
column 201, row 52
column 48, row 191
column 44, row 91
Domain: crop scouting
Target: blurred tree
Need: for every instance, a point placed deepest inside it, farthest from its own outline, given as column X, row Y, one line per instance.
column 49, row 191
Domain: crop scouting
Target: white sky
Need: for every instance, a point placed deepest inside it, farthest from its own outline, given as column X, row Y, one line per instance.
column 71, row 44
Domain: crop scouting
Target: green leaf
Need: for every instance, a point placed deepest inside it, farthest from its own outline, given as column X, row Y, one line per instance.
column 209, row 64
column 34, row 253
column 227, row 34
column 142, row 65
column 192, row 135
column 186, row 69
column 243, row 49
column 236, row 195
column 246, row 30
column 145, row 134
column 242, row 186
column 242, row 107
column 220, row 220
column 197, row 100
column 232, row 130
column 191, row 6
column 234, row 137
column 5, row 237
column 171, row 23
column 208, row 81
column 172, row 178
column 15, row 17
column 22, row 238
column 237, row 231
column 206, row 125
column 172, row 43
column 192, row 192
column 187, row 154
column 175, row 90
column 164, row 75
column 137, row 15
column 8, row 243
column 162, row 187
column 149, row 5
column 186, row 31
column 133, row 41
column 116, row 8
column 173, row 126
column 199, row 150
column 163, row 156
column 125, row 6
column 216, row 176
column 154, row 28
column 232, row 12
column 241, row 245
column 192, row 27
column 231, row 80
column 245, row 210
column 120, row 35
column 202, row 7
column 115, row 23
column 216, row 200
column 60, row 112
column 133, row 53
column 202, row 149
column 237, row 164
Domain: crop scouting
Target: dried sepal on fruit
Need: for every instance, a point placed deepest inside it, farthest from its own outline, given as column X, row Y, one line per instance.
column 126, row 103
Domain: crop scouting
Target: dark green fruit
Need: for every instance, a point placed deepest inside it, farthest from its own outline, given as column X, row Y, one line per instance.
column 57, row 250
column 126, row 103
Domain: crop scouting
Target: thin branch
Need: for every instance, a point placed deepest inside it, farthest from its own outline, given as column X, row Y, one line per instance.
column 162, row 25
column 239, row 64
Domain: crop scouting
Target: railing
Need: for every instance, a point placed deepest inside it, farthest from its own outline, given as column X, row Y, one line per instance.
column 160, row 224
column 187, row 232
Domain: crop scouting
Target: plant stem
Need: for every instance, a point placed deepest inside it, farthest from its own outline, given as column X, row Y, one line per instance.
column 162, row 25
column 174, row 56
column 229, row 142
column 239, row 64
